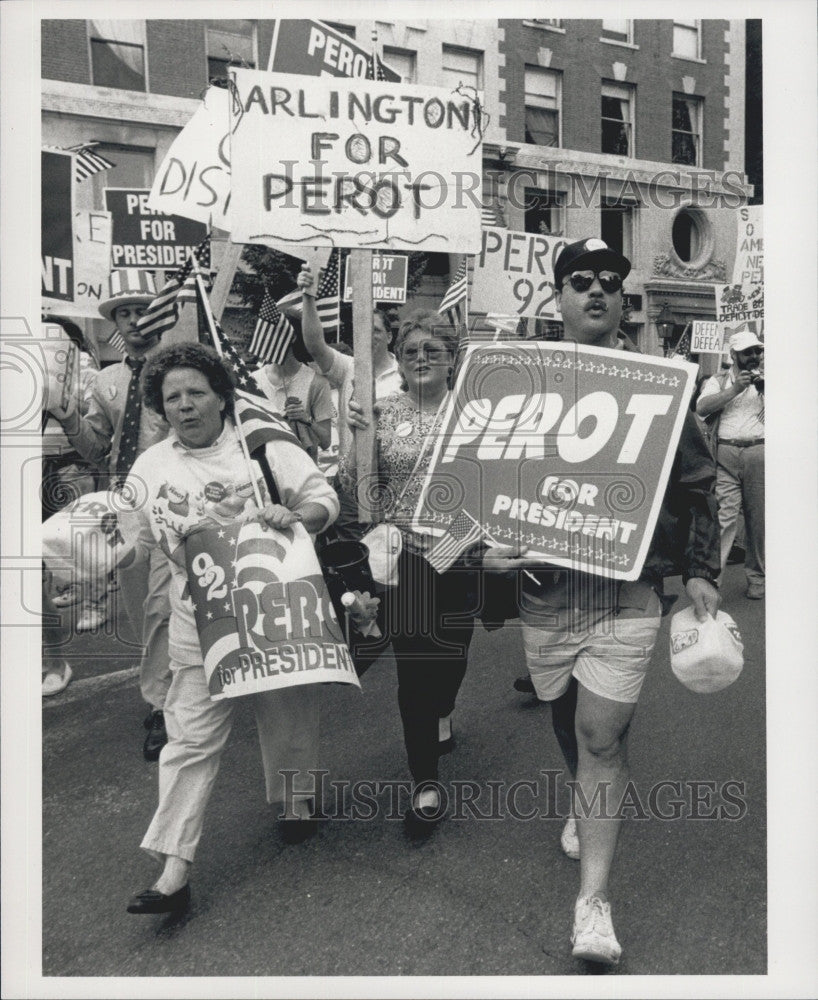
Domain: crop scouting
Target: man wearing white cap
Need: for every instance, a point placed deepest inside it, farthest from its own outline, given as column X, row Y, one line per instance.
column 116, row 429
column 734, row 404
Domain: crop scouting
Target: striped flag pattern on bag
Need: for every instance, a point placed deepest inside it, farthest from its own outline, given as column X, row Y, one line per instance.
column 463, row 532
column 163, row 312
column 456, row 295
column 273, row 333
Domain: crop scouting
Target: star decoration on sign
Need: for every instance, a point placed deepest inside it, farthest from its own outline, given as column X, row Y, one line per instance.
column 209, row 615
column 226, row 607
column 673, row 382
column 650, row 377
column 602, row 369
column 638, row 376
column 220, row 534
column 661, row 380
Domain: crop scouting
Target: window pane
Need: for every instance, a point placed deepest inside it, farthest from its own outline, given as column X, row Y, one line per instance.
column 542, row 212
column 463, row 67
column 685, row 41
column 684, row 149
column 402, row 61
column 616, row 29
column 683, row 114
column 226, row 44
column 115, row 64
column 542, row 127
column 614, row 138
column 540, row 83
column 613, row 228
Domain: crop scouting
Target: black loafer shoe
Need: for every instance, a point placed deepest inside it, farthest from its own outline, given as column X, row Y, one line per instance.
column 445, row 746
column 152, row 901
column 296, row 831
column 524, row 685
column 157, row 736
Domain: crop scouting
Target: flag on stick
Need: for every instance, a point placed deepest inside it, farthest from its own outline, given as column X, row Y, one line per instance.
column 455, row 300
column 273, row 333
column 116, row 341
column 463, row 532
column 87, row 162
column 163, row 311
column 327, row 298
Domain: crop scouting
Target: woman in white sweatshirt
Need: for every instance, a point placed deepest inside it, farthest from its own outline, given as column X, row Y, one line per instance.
column 197, row 475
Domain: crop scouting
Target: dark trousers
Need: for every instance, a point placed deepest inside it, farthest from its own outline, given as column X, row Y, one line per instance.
column 430, row 620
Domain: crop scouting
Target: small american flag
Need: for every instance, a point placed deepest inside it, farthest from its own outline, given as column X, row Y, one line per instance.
column 187, row 293
column 374, row 68
column 327, row 300
column 456, row 294
column 87, row 162
column 273, row 333
column 462, row 533
column 116, row 341
column 491, row 216
column 163, row 312
column 252, row 408
column 682, row 349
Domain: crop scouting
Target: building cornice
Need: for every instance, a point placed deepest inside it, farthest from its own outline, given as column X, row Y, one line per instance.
column 128, row 106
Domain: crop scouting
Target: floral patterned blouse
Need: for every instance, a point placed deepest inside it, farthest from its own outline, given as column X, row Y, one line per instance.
column 404, row 441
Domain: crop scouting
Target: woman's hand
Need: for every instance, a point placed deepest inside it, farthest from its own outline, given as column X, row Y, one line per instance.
column 503, row 558
column 355, row 415
column 275, row 515
column 304, row 281
column 294, row 409
column 705, row 597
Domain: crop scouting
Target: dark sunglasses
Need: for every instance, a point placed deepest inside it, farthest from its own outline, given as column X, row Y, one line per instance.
column 431, row 353
column 752, row 350
column 581, row 281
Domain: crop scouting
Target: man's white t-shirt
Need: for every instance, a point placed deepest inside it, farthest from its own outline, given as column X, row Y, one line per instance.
column 341, row 375
column 742, row 419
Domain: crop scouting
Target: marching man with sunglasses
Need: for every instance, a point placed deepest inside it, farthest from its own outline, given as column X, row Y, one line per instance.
column 588, row 641
column 734, row 401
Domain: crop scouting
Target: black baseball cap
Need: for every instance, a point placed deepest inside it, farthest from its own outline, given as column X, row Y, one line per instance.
column 593, row 253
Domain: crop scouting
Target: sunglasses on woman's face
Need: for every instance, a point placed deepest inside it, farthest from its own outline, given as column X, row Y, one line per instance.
column 432, row 354
column 581, row 281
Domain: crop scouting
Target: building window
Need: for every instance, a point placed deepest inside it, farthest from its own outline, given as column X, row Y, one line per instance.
column 543, row 93
column 403, row 62
column 462, row 66
column 687, row 130
column 118, row 54
column 345, row 29
column 544, row 212
column 616, row 226
column 687, row 39
column 229, row 43
column 617, row 119
column 691, row 235
column 548, row 22
column 614, row 30
column 133, row 167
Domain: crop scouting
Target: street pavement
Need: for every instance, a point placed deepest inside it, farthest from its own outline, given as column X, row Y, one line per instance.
column 481, row 896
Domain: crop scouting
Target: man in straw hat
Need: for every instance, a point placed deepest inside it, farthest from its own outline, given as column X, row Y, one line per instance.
column 116, row 429
column 733, row 403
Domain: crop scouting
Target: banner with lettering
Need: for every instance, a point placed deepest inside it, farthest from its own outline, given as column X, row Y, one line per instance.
column 263, row 613
column 355, row 163
column 744, row 299
column 57, row 216
column 563, row 448
column 317, row 49
column 514, row 274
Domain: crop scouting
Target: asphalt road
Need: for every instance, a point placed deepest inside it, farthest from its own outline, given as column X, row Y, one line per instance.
column 482, row 896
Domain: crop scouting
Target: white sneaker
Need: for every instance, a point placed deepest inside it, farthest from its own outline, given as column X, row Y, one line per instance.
column 593, row 937
column 93, row 615
column 569, row 841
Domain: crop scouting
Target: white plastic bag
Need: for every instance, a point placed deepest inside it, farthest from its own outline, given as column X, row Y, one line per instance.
column 706, row 656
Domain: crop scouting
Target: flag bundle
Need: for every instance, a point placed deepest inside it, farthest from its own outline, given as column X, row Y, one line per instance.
column 454, row 301
column 87, row 162
column 462, row 533
column 163, row 312
column 327, row 298
column 273, row 333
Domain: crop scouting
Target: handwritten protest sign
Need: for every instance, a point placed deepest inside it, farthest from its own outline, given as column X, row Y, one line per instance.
column 57, row 214
column 389, row 274
column 744, row 299
column 565, row 449
column 316, row 49
column 145, row 239
column 514, row 274
column 706, row 337
column 356, row 163
column 92, row 262
column 263, row 612
column 194, row 178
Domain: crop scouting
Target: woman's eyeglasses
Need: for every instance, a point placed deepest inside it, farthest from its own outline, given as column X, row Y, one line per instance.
column 433, row 354
column 581, row 281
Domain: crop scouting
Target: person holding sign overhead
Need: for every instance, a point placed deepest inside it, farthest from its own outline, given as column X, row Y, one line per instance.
column 197, row 476
column 589, row 639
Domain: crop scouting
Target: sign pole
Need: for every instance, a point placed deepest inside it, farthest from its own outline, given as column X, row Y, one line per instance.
column 362, row 305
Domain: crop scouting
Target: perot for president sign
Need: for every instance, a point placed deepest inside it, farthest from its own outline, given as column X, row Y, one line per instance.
column 562, row 448
column 315, row 49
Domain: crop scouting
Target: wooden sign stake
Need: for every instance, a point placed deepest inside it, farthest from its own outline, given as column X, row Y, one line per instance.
column 362, row 305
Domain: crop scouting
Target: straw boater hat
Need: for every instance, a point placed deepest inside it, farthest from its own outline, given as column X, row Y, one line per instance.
column 128, row 285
